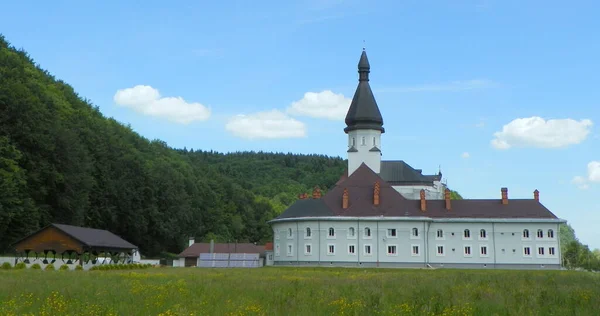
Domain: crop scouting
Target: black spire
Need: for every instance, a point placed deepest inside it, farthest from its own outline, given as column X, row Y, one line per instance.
column 363, row 112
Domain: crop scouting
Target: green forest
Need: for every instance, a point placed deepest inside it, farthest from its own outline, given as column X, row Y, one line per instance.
column 62, row 161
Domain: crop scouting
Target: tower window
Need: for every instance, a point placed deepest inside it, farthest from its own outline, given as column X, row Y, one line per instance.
column 353, row 141
column 374, row 143
column 363, row 141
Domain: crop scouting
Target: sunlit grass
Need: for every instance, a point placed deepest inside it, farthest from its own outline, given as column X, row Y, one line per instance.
column 298, row 291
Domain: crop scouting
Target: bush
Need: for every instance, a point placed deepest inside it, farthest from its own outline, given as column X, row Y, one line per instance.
column 64, row 267
column 20, row 265
column 50, row 267
column 36, row 266
column 78, row 268
column 6, row 266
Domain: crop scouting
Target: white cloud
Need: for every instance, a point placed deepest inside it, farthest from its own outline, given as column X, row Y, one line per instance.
column 324, row 104
column 465, row 155
column 594, row 171
column 458, row 85
column 580, row 182
column 147, row 100
column 266, row 125
column 539, row 133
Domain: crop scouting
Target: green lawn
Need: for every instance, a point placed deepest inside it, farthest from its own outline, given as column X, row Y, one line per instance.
column 298, row 291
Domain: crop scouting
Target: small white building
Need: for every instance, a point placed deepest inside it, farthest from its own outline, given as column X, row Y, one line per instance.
column 388, row 214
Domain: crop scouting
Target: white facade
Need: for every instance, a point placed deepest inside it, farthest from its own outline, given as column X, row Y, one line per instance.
column 363, row 141
column 417, row 242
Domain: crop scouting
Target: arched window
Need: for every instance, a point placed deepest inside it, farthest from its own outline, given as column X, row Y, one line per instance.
column 550, row 233
column 289, row 232
column 440, row 233
column 308, row 232
column 331, row 232
column 374, row 142
column 351, row 232
column 367, row 232
column 467, row 233
column 353, row 141
column 415, row 232
column 540, row 233
column 363, row 141
column 482, row 233
column 526, row 233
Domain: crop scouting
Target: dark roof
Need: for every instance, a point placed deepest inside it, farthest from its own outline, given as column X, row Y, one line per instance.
column 360, row 186
column 196, row 249
column 97, row 238
column 399, row 172
column 363, row 112
column 307, row 208
column 90, row 237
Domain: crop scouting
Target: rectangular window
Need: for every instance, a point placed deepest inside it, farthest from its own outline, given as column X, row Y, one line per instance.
column 289, row 250
column 440, row 250
column 440, row 234
column 527, row 251
column 351, row 249
column 308, row 249
column 363, row 141
column 391, row 250
column 391, row 232
column 277, row 252
column 415, row 250
column 467, row 250
column 541, row 251
column 367, row 249
column 484, row 251
column 331, row 249
column 551, row 251
column 270, row 257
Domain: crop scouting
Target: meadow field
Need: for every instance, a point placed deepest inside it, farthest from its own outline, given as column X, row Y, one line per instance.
column 298, row 291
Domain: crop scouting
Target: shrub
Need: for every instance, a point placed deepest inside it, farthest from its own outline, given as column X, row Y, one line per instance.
column 6, row 266
column 78, row 268
column 36, row 266
column 50, row 267
column 94, row 268
column 64, row 267
column 20, row 265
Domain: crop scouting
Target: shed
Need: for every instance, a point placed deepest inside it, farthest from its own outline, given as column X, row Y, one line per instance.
column 222, row 254
column 73, row 243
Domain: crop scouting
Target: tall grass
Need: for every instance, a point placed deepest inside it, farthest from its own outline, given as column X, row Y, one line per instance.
column 298, row 291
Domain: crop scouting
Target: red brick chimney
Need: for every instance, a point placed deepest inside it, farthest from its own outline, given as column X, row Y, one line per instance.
column 504, row 195
column 345, row 199
column 536, row 195
column 376, row 194
column 316, row 193
column 447, row 198
column 423, row 202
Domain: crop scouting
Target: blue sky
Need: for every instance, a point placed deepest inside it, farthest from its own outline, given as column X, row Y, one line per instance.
column 447, row 75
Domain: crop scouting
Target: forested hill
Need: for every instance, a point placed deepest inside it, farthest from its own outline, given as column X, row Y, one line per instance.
column 62, row 161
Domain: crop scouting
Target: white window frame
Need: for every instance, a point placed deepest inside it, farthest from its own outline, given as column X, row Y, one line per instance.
column 365, row 253
column 487, row 251
column 388, row 250
column 437, row 252
column 553, row 250
column 276, row 234
column 334, row 233
column 290, row 250
column 277, row 250
column 470, row 254
column 412, row 250
column 306, row 235
column 374, row 141
column 470, row 235
column 537, row 234
column 351, row 253
column 437, row 235
column 308, row 253
column 524, row 254
column 523, row 234
column 550, row 231
column 290, row 233
column 329, row 247
column 353, row 236
column 485, row 232
column 537, row 251
column 412, row 233
column 370, row 236
column 388, row 235
column 363, row 141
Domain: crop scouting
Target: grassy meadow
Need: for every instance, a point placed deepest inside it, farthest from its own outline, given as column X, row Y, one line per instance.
column 298, row 291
